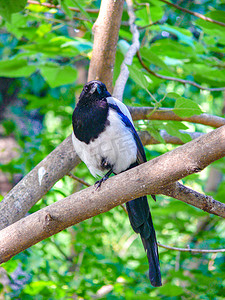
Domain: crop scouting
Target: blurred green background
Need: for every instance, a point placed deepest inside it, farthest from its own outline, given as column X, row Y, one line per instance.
column 45, row 53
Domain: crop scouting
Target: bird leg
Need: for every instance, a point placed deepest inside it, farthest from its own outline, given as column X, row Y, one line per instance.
column 104, row 178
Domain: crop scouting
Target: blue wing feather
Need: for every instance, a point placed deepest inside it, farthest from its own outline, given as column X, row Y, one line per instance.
column 139, row 212
column 140, row 149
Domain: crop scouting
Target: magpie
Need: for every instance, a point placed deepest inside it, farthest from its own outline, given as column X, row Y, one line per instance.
column 104, row 138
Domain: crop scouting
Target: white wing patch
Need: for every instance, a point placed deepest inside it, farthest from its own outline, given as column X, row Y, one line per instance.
column 121, row 106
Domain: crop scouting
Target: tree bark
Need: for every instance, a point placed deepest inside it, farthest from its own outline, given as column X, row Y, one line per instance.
column 105, row 31
column 149, row 178
column 37, row 183
column 63, row 159
column 146, row 113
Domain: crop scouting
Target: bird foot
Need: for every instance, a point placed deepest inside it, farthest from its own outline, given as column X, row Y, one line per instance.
column 104, row 178
column 99, row 183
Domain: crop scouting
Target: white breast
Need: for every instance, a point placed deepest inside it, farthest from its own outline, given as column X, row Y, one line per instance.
column 116, row 144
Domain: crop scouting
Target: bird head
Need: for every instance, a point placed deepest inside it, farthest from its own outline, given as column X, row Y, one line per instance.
column 94, row 90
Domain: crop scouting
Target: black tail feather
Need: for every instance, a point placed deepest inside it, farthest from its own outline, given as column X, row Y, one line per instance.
column 141, row 222
column 151, row 248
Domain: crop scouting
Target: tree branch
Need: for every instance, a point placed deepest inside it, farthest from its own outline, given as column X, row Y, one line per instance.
column 191, row 197
column 78, row 179
column 124, row 73
column 37, row 183
column 105, row 30
column 196, row 14
column 145, row 113
column 63, row 159
column 183, row 81
column 191, row 250
column 147, row 139
column 151, row 177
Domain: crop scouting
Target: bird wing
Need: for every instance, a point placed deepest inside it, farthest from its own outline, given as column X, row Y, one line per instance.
column 124, row 113
column 122, row 107
column 138, row 209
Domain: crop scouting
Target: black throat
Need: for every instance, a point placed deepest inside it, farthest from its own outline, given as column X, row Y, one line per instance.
column 90, row 119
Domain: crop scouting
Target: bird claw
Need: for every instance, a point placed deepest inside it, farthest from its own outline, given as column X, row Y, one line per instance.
column 99, row 183
column 104, row 178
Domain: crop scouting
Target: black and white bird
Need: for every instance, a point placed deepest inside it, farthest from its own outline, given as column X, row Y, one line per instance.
column 104, row 138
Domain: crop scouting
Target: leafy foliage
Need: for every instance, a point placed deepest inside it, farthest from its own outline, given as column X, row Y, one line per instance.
column 43, row 52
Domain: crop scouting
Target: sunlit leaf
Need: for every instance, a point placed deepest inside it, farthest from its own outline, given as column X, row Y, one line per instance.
column 139, row 77
column 185, row 108
column 16, row 68
column 58, row 75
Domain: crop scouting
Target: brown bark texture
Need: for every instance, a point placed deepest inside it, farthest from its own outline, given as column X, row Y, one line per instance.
column 146, row 113
column 37, row 183
column 105, row 31
column 149, row 178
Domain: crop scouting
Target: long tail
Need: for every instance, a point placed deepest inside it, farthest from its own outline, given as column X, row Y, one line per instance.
column 141, row 222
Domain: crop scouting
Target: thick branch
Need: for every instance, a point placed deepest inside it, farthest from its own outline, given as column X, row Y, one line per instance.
column 145, row 113
column 148, row 178
column 58, row 163
column 37, row 183
column 106, row 29
column 189, row 196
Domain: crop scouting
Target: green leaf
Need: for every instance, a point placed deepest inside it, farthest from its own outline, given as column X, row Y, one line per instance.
column 216, row 15
column 143, row 17
column 9, row 126
column 59, row 46
column 139, row 77
column 7, row 8
column 156, row 134
column 186, row 108
column 171, row 290
column 56, row 75
column 152, row 58
column 173, row 128
column 80, row 44
column 83, row 11
column 172, row 49
column 65, row 7
column 16, row 68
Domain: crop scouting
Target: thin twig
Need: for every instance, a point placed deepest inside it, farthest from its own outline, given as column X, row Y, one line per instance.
column 124, row 73
column 60, row 250
column 49, row 5
column 78, row 179
column 149, row 25
column 183, row 81
column 124, row 208
column 196, row 14
column 191, row 250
